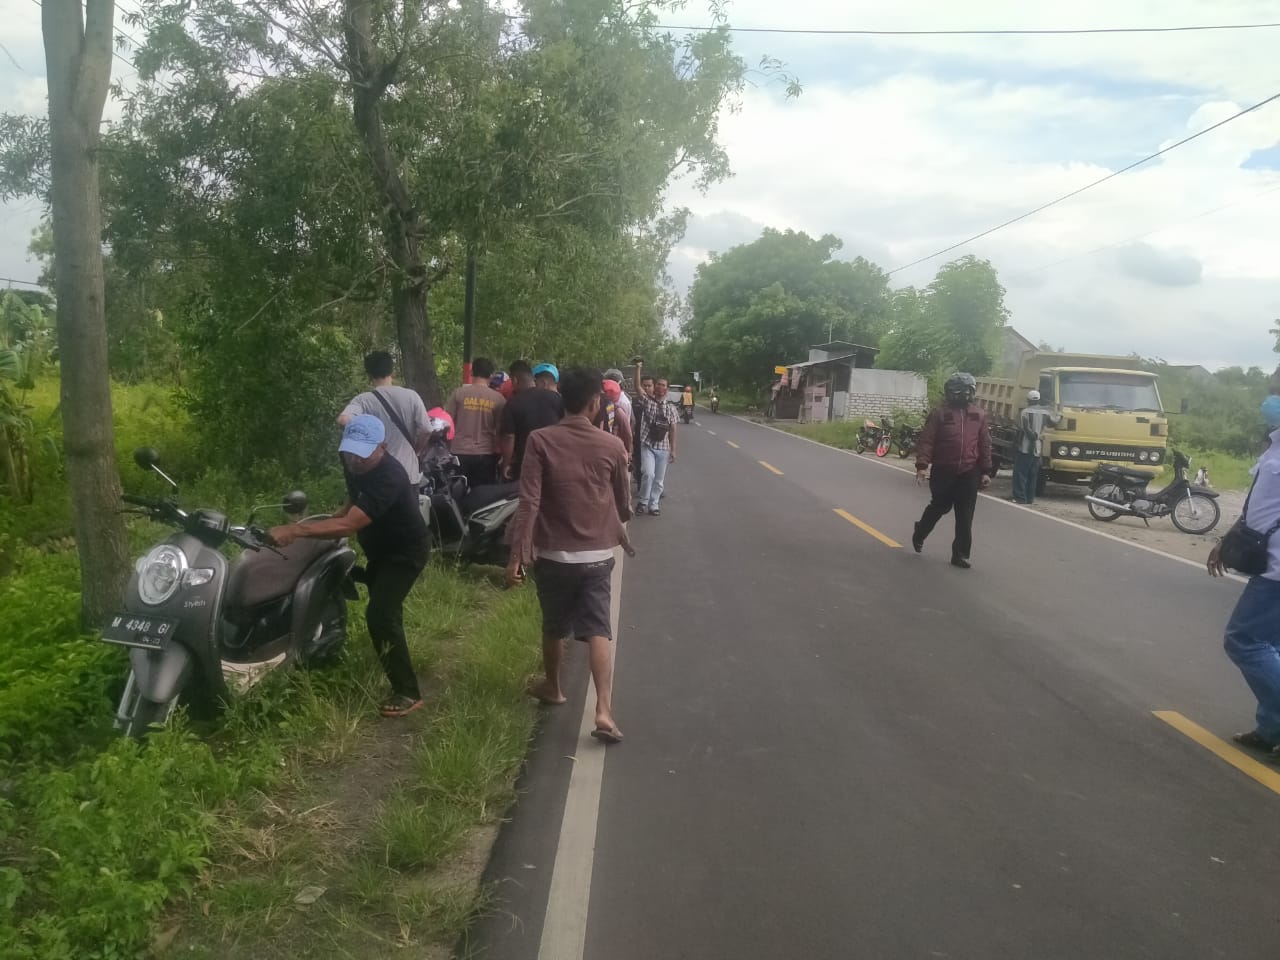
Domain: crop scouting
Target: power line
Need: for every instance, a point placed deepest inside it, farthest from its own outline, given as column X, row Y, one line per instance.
column 1142, row 236
column 25, row 283
column 1089, row 186
column 1013, row 32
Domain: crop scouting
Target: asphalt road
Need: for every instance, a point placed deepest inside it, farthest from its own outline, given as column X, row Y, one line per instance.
column 838, row 749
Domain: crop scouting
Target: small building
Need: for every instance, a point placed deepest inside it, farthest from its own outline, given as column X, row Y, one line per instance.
column 839, row 382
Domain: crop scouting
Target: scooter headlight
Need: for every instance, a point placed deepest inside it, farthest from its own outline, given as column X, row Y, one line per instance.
column 160, row 574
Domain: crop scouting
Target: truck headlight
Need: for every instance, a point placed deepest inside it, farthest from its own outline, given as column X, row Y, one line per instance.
column 160, row 574
column 1062, row 450
column 1075, row 451
column 1155, row 456
column 1142, row 456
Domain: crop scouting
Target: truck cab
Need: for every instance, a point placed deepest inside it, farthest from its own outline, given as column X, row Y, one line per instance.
column 1109, row 415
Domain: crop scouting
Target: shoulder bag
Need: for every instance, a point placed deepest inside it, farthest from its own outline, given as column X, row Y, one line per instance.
column 1244, row 549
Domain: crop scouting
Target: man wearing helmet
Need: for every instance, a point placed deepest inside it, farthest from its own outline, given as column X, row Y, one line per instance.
column 956, row 443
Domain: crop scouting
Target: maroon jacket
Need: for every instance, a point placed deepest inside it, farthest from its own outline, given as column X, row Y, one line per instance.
column 955, row 439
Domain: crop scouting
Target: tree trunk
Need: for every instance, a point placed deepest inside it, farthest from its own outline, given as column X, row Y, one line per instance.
column 401, row 231
column 78, row 63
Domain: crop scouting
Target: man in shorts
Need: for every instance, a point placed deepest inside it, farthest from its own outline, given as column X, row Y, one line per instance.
column 574, row 500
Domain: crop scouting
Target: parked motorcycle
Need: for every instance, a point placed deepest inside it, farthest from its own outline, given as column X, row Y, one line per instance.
column 469, row 523
column 198, row 626
column 1119, row 491
column 873, row 436
column 906, row 437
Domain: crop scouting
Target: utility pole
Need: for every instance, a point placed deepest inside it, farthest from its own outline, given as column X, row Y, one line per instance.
column 469, row 316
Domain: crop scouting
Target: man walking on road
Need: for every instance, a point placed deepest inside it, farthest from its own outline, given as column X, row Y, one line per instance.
column 1252, row 640
column 956, row 443
column 1026, row 465
column 574, row 500
column 657, row 447
column 476, row 409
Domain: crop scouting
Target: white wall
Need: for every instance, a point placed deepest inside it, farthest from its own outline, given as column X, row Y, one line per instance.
column 879, row 393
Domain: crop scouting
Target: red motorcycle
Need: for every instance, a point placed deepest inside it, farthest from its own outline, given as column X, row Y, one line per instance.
column 873, row 436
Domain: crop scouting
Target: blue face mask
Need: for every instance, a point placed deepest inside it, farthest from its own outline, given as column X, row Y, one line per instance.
column 1271, row 411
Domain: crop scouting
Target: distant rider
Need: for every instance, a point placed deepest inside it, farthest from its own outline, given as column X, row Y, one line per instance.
column 956, row 443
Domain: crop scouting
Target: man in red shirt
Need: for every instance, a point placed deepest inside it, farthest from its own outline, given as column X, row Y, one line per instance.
column 956, row 443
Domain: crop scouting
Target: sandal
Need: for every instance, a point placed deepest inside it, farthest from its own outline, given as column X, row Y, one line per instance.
column 400, row 706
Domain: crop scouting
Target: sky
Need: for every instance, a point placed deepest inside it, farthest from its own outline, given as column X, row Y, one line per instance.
column 904, row 145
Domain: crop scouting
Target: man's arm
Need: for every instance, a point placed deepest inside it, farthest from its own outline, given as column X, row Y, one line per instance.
column 351, row 521
column 924, row 445
column 531, row 470
column 350, row 412
column 984, row 451
column 507, row 443
column 622, row 484
column 671, row 454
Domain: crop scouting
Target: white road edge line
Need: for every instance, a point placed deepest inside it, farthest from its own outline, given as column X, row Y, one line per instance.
column 1004, row 503
column 564, row 928
column 711, row 433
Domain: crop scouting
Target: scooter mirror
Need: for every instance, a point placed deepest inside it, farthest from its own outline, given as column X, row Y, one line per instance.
column 295, row 501
column 146, row 457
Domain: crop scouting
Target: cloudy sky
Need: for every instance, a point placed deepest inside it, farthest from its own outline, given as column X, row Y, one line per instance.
column 904, row 145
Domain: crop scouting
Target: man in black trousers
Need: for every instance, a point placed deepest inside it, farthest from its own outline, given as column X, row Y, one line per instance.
column 956, row 443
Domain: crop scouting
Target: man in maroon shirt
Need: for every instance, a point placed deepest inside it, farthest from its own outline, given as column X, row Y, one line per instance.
column 574, row 499
column 956, row 443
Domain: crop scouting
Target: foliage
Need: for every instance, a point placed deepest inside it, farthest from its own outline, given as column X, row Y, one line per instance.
column 1217, row 413
column 766, row 302
column 25, row 344
column 953, row 324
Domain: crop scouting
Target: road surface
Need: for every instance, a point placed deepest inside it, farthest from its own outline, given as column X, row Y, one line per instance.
column 836, row 748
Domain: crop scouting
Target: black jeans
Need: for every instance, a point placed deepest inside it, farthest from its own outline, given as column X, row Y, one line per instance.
column 480, row 469
column 957, row 491
column 390, row 579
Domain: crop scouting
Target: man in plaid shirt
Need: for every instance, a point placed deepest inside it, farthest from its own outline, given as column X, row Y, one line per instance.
column 657, row 447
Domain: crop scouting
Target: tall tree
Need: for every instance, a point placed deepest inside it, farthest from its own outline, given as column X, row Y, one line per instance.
column 766, row 302
column 77, row 45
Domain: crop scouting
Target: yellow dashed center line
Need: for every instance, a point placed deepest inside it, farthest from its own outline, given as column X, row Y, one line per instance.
column 867, row 528
column 1250, row 767
column 770, row 467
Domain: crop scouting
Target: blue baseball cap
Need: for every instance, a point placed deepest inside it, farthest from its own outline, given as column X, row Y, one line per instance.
column 547, row 368
column 362, row 435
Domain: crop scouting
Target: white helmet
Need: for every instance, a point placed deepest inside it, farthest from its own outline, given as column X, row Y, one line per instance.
column 1033, row 395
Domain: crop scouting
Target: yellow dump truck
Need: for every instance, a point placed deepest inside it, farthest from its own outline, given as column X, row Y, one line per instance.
column 1110, row 413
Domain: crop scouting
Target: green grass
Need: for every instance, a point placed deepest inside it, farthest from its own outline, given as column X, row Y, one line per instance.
column 201, row 840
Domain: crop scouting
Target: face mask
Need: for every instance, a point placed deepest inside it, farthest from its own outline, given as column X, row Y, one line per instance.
column 1271, row 411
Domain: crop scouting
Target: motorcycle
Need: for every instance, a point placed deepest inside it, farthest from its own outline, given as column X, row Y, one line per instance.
column 200, row 627
column 1119, row 491
column 686, row 414
column 468, row 523
column 906, row 437
column 715, row 404
column 873, row 436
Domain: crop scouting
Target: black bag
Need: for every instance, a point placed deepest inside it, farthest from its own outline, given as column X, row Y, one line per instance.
column 658, row 431
column 1244, row 549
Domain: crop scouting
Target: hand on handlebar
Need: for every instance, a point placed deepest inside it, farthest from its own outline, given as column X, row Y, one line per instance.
column 283, row 535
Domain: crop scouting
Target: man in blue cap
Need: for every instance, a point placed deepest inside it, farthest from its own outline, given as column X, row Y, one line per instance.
column 381, row 509
column 536, row 404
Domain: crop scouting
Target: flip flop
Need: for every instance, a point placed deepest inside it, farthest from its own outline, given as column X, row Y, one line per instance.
column 400, row 707
column 529, row 689
column 607, row 735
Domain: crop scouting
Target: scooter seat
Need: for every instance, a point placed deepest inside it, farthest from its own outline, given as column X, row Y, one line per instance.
column 258, row 577
column 479, row 497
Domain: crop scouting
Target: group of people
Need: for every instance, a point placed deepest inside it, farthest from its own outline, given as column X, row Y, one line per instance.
column 572, row 444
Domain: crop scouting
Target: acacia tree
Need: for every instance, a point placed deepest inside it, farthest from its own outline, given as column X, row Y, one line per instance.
column 77, row 44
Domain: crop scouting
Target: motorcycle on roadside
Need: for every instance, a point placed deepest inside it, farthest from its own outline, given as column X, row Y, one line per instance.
column 1117, row 491
column 873, row 436
column 201, row 627
column 905, row 437
column 467, row 523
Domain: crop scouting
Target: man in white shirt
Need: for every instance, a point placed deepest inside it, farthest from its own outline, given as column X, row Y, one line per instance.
column 1252, row 640
column 400, row 409
column 1026, row 464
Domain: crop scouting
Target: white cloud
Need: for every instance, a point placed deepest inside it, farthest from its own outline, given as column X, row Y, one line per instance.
column 941, row 147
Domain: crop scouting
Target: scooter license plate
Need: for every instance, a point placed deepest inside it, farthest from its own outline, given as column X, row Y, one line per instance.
column 132, row 630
